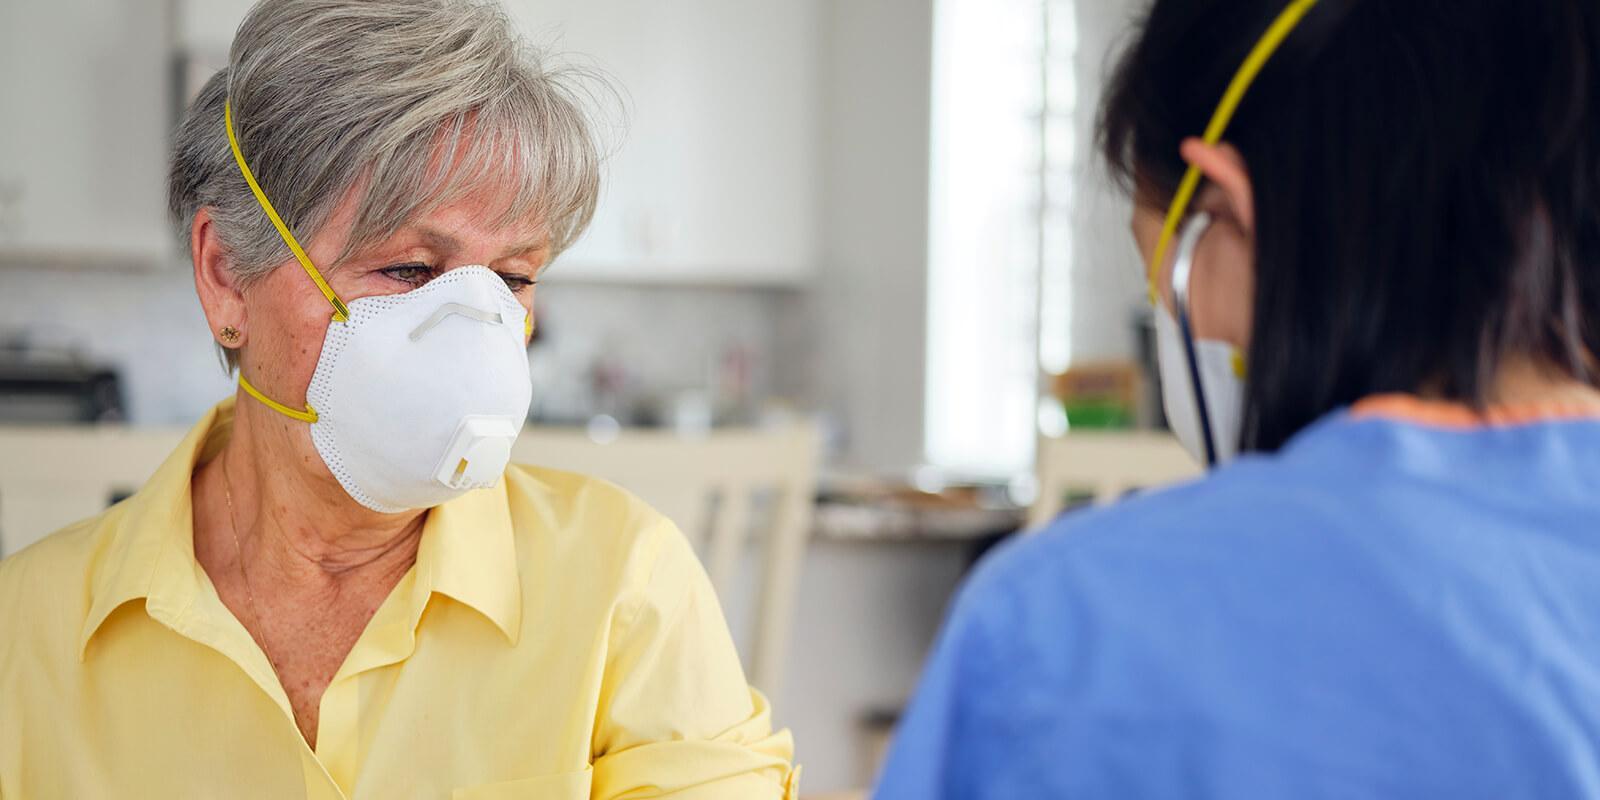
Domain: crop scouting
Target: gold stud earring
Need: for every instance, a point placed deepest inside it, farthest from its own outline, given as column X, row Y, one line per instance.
column 230, row 334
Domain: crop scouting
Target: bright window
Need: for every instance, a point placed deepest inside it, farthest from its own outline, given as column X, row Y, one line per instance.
column 1002, row 151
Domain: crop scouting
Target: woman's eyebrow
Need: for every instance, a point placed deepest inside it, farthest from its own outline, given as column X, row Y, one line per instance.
column 439, row 241
column 444, row 243
column 537, row 245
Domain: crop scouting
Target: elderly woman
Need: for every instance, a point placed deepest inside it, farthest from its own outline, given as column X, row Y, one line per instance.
column 336, row 587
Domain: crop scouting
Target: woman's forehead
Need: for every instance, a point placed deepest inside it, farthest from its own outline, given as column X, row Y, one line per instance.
column 481, row 220
column 476, row 188
column 471, row 223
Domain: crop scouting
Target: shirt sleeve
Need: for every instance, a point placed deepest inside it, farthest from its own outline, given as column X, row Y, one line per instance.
column 676, row 717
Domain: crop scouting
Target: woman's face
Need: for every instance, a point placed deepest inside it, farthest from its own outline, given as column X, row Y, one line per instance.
column 287, row 317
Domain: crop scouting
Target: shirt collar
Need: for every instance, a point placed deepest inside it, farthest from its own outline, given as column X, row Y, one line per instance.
column 467, row 552
column 143, row 529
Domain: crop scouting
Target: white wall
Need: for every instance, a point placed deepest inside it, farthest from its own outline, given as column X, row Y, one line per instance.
column 1107, row 278
column 209, row 24
column 869, row 302
column 83, row 121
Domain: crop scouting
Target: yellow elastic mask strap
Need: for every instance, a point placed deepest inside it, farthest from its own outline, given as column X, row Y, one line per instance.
column 1279, row 30
column 340, row 312
column 308, row 415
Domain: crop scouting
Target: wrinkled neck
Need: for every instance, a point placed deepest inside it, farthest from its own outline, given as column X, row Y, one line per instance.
column 292, row 516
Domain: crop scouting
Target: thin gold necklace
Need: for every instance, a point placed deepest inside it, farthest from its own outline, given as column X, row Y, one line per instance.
column 238, row 550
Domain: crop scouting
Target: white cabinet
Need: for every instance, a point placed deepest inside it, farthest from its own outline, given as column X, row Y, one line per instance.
column 712, row 170
column 713, row 178
column 84, row 113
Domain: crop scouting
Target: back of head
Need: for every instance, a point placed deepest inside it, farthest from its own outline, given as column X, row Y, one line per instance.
column 1426, row 176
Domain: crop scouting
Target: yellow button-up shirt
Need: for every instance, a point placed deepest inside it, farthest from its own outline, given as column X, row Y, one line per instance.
column 555, row 639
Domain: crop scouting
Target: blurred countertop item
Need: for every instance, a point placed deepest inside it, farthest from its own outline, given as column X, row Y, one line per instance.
column 42, row 384
column 884, row 510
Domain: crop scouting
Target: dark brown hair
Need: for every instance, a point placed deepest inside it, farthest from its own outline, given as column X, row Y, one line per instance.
column 1427, row 186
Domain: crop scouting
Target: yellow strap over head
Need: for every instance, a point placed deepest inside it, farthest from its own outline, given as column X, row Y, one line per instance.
column 1276, row 33
column 340, row 312
column 308, row 415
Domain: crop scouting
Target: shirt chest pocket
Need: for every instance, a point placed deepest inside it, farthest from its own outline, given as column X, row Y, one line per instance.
column 566, row 786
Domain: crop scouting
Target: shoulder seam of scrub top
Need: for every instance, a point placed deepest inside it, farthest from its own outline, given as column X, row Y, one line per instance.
column 1444, row 414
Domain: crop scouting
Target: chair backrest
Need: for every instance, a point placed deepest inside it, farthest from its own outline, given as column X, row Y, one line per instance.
column 1103, row 466
column 53, row 476
column 724, row 491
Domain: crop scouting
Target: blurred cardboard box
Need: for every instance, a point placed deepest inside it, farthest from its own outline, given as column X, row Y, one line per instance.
column 1099, row 395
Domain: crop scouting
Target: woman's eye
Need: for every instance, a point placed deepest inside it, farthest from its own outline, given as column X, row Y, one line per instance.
column 517, row 283
column 411, row 274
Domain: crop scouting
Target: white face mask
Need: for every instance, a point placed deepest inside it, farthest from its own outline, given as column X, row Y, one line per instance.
column 1224, row 390
column 419, row 396
column 1203, row 395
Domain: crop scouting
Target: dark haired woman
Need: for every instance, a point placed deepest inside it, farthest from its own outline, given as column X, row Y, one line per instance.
column 1375, row 253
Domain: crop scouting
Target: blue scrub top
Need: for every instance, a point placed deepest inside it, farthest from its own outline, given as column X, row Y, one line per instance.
column 1400, row 603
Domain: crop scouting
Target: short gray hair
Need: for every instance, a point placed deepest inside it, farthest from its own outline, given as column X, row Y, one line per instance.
column 417, row 102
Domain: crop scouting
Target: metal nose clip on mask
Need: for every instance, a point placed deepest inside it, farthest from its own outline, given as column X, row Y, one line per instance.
column 1206, row 406
column 417, row 397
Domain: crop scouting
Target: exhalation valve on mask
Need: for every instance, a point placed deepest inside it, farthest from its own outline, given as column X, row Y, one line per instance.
column 478, row 453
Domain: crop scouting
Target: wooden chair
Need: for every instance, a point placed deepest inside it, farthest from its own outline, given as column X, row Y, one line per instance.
column 1104, row 466
column 724, row 491
column 52, row 476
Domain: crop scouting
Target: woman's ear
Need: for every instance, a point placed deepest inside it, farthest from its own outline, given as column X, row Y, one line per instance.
column 214, row 282
column 1222, row 293
column 1224, row 168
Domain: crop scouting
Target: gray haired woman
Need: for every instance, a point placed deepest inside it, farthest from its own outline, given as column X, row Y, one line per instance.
column 336, row 586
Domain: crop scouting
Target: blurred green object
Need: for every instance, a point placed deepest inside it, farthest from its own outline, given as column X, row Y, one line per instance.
column 1098, row 415
column 1100, row 395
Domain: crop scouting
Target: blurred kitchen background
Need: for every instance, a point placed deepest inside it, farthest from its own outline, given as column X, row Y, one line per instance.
column 879, row 220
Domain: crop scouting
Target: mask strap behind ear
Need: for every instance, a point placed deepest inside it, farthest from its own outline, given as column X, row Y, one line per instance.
column 1253, row 63
column 340, row 312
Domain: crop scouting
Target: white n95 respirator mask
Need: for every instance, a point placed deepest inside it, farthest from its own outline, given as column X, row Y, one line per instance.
column 417, row 397
column 420, row 395
column 1202, row 380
